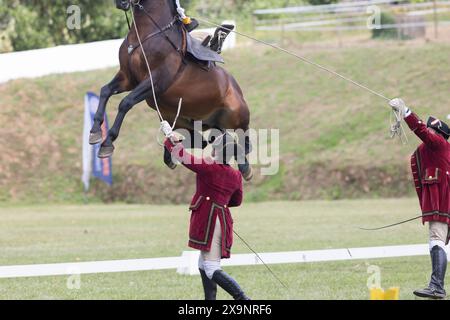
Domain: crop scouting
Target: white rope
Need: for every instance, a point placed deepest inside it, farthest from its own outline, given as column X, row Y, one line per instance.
column 148, row 65
column 399, row 130
column 150, row 73
column 178, row 113
column 158, row 140
column 301, row 58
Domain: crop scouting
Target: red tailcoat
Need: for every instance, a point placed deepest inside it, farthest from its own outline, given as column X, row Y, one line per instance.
column 430, row 166
column 218, row 188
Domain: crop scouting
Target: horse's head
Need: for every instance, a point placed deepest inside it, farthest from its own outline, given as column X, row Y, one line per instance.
column 123, row 4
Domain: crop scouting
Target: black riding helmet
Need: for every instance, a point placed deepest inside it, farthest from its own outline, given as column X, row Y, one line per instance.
column 440, row 127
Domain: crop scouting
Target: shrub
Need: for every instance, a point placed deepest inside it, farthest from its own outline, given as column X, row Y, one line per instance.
column 385, row 19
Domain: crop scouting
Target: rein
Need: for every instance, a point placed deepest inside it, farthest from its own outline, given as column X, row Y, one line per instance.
column 396, row 128
column 137, row 4
column 392, row 225
column 161, row 30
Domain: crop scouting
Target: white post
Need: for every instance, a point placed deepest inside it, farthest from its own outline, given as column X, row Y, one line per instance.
column 189, row 263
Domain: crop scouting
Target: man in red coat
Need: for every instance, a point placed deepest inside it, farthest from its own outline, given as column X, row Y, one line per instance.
column 219, row 187
column 430, row 166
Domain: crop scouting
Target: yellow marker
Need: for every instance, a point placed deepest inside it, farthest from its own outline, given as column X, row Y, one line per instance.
column 187, row 20
column 376, row 294
column 392, row 294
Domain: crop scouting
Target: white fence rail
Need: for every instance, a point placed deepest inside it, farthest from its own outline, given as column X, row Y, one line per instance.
column 71, row 58
column 188, row 262
column 347, row 16
column 322, row 8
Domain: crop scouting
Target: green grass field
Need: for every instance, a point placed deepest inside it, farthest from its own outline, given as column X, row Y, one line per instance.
column 51, row 234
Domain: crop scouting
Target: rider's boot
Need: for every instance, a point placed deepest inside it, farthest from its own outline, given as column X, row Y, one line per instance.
column 209, row 286
column 435, row 289
column 230, row 285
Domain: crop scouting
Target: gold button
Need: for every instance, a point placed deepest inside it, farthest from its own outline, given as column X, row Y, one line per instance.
column 225, row 206
column 208, row 198
column 431, row 177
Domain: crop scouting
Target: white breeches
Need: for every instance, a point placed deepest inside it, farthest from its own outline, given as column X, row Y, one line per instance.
column 209, row 261
column 438, row 234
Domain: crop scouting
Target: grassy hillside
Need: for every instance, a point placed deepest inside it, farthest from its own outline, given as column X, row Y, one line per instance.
column 334, row 137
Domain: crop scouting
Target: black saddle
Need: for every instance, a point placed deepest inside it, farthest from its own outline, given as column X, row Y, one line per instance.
column 208, row 51
column 200, row 52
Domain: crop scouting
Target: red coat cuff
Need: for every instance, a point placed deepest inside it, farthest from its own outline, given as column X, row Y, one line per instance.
column 169, row 145
column 413, row 121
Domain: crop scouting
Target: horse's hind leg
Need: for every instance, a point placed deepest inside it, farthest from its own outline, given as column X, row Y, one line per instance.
column 118, row 85
column 238, row 117
column 139, row 94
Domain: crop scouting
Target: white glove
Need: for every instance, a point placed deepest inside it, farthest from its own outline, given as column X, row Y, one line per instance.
column 166, row 128
column 399, row 106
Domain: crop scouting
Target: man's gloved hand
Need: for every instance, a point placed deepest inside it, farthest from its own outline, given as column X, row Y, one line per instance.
column 399, row 106
column 170, row 134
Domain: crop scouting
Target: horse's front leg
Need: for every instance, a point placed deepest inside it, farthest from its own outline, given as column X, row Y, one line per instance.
column 139, row 94
column 118, row 85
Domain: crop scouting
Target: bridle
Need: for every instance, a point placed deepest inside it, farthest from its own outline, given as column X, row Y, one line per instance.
column 136, row 4
column 133, row 4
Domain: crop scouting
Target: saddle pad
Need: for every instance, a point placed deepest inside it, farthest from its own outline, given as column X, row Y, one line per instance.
column 198, row 51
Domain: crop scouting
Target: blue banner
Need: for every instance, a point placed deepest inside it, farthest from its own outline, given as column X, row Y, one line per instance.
column 92, row 164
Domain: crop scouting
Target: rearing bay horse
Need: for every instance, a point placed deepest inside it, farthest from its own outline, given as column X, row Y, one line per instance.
column 212, row 96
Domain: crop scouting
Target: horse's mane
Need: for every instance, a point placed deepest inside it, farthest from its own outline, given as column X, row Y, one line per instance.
column 172, row 6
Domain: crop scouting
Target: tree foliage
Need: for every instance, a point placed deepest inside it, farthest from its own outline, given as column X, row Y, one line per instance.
column 42, row 23
column 30, row 24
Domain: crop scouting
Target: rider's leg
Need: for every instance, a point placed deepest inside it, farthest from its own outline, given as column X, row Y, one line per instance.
column 209, row 286
column 211, row 266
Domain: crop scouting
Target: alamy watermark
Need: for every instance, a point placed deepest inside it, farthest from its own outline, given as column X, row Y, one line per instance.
column 260, row 147
column 374, row 20
column 73, row 21
column 374, row 280
column 74, row 280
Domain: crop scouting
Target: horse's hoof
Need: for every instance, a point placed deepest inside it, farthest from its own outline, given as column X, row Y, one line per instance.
column 106, row 152
column 95, row 138
column 248, row 175
column 171, row 166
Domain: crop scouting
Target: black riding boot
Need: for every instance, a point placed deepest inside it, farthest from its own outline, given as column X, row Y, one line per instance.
column 436, row 289
column 228, row 284
column 209, row 286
